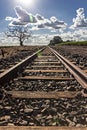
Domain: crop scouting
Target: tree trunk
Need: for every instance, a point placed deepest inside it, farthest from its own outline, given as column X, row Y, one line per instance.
column 21, row 42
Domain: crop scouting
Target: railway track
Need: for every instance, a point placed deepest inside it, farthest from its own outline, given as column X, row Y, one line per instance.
column 45, row 90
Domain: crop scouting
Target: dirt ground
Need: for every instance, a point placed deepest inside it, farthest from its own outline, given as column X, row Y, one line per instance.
column 11, row 51
column 80, row 50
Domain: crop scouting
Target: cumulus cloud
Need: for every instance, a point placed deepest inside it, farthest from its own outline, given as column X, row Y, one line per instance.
column 80, row 20
column 52, row 23
column 37, row 21
column 39, row 17
column 23, row 17
column 9, row 18
column 56, row 21
column 77, row 35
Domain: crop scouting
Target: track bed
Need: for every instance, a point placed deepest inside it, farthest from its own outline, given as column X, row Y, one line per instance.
column 44, row 93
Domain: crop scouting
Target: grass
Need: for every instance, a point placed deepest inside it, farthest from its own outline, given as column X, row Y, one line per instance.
column 80, row 43
column 39, row 54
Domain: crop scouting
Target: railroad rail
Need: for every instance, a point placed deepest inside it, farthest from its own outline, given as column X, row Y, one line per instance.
column 43, row 68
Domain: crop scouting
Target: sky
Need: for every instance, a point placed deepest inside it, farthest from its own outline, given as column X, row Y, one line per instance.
column 45, row 18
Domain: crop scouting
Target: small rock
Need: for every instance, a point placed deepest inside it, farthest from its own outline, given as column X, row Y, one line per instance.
column 49, row 122
column 43, row 124
column 53, row 124
column 31, row 124
column 56, row 104
column 44, row 110
column 39, row 116
column 86, row 119
column 21, row 110
column 45, row 106
column 85, row 91
column 78, row 125
column 72, row 124
column 42, row 121
column 8, row 108
column 10, row 124
column 68, row 105
column 49, row 117
column 74, row 119
column 23, row 122
column 36, row 108
column 53, row 111
column 71, row 89
column 27, row 110
column 1, row 107
column 7, row 118
column 47, row 102
column 73, row 113
column 49, row 85
column 3, row 123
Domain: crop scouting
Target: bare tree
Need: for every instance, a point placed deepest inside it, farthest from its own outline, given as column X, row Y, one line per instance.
column 20, row 32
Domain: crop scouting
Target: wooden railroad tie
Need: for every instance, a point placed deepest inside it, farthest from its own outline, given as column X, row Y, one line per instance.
column 46, row 56
column 41, row 128
column 44, row 95
column 43, row 60
column 47, row 71
column 46, row 66
column 58, row 63
column 45, row 78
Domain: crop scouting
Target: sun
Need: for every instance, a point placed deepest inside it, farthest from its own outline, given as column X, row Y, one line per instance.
column 28, row 3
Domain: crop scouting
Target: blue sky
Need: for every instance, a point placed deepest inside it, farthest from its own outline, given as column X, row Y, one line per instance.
column 62, row 10
column 46, row 7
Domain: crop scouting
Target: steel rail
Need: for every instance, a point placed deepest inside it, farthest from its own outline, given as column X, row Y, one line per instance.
column 79, row 75
column 13, row 71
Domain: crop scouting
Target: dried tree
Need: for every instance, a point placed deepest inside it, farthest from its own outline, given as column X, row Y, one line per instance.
column 20, row 32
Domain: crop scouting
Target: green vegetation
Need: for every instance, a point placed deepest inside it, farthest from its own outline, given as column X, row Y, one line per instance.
column 56, row 40
column 80, row 43
column 39, row 54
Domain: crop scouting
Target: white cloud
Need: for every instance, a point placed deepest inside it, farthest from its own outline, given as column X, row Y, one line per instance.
column 37, row 21
column 39, row 17
column 9, row 18
column 38, row 39
column 80, row 20
column 52, row 23
column 78, row 35
column 23, row 17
